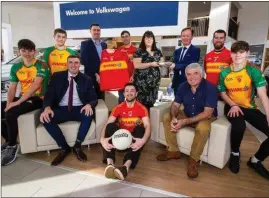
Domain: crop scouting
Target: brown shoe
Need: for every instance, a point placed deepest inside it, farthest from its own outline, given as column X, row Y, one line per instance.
column 192, row 168
column 168, row 156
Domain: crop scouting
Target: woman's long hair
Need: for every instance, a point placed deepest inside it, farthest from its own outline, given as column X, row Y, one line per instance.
column 148, row 34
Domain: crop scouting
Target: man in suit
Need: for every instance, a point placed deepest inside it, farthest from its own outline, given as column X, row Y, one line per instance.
column 184, row 56
column 70, row 96
column 90, row 51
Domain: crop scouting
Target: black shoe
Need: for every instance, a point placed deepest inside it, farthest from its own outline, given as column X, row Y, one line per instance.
column 4, row 146
column 9, row 155
column 234, row 163
column 259, row 168
column 80, row 155
column 121, row 172
column 60, row 157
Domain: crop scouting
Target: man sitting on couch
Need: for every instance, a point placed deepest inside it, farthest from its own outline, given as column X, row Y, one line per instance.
column 199, row 98
column 70, row 97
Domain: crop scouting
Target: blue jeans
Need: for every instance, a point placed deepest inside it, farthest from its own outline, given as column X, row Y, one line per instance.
column 61, row 114
column 121, row 96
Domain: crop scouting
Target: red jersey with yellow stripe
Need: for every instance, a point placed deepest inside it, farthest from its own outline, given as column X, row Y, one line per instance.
column 130, row 51
column 113, row 70
column 215, row 62
column 129, row 117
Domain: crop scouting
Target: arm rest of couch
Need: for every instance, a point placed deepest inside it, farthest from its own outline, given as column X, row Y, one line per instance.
column 101, row 118
column 156, row 116
column 219, row 147
column 27, row 124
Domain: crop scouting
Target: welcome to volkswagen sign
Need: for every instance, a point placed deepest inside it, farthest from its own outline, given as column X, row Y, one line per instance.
column 79, row 15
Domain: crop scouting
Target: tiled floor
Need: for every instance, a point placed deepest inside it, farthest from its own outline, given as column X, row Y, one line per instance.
column 28, row 178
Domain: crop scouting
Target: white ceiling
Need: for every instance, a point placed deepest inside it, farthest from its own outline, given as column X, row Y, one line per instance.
column 41, row 4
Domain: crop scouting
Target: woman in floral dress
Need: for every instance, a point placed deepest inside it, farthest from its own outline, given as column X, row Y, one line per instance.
column 147, row 72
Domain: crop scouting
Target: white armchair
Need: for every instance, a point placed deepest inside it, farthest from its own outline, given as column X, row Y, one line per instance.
column 34, row 137
column 217, row 149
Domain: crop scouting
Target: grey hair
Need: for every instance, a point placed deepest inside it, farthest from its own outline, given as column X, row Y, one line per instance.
column 195, row 66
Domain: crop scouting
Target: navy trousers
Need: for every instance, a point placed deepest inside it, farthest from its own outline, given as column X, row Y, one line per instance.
column 61, row 114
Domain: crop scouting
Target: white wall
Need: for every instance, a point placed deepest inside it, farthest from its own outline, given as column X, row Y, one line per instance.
column 115, row 32
column 34, row 23
column 254, row 22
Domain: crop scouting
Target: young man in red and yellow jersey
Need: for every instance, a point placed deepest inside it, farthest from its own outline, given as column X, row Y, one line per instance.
column 218, row 59
column 130, row 115
column 130, row 50
column 236, row 85
column 56, row 56
column 32, row 74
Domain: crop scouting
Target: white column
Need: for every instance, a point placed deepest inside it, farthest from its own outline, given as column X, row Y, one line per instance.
column 218, row 19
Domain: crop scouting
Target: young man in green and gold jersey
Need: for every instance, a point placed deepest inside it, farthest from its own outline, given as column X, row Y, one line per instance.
column 236, row 85
column 56, row 56
column 33, row 75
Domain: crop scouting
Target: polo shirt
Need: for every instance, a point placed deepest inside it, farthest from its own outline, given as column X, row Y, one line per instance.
column 194, row 103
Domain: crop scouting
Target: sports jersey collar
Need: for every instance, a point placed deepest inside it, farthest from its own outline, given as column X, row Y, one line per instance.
column 33, row 63
column 59, row 49
column 219, row 50
column 245, row 64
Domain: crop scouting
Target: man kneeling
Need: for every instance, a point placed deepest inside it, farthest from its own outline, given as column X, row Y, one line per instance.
column 199, row 98
column 133, row 116
column 70, row 97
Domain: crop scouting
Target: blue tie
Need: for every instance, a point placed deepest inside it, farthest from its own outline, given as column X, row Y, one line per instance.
column 182, row 54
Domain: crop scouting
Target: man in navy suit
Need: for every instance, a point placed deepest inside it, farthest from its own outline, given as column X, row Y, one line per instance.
column 90, row 51
column 70, row 96
column 183, row 57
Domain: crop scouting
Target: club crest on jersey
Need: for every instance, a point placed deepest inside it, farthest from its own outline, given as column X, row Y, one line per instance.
column 239, row 79
column 130, row 113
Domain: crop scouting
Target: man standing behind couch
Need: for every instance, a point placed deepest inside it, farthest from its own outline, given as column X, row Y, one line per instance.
column 199, row 98
column 70, row 97
column 184, row 56
column 56, row 56
column 32, row 74
column 90, row 51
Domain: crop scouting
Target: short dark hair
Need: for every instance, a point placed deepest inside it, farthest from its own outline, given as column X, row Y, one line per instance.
column 188, row 28
column 125, row 31
column 130, row 84
column 94, row 24
column 60, row 30
column 26, row 44
column 148, row 34
column 240, row 45
column 74, row 56
column 219, row 31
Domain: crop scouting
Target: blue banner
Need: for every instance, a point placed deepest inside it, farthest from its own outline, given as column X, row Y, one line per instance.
column 80, row 15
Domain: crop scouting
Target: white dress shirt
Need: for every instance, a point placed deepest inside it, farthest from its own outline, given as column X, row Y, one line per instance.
column 184, row 51
column 76, row 100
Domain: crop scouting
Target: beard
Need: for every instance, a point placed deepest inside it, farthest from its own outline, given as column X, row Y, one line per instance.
column 218, row 47
column 130, row 100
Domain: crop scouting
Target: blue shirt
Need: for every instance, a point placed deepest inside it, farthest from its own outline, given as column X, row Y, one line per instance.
column 98, row 47
column 194, row 103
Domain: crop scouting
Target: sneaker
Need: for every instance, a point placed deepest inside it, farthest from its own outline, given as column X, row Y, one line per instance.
column 234, row 163
column 10, row 155
column 121, row 172
column 109, row 172
column 259, row 168
column 4, row 146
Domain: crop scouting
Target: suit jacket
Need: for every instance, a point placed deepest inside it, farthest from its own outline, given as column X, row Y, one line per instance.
column 59, row 84
column 192, row 56
column 90, row 58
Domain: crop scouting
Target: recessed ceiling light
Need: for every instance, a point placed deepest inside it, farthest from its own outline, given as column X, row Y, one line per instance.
column 204, row 2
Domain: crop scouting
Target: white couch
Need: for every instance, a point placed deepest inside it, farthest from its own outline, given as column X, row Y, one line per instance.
column 217, row 149
column 33, row 136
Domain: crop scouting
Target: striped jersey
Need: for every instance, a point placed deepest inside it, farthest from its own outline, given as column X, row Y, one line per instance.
column 215, row 62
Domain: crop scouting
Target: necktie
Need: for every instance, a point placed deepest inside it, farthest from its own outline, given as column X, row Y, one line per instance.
column 70, row 97
column 182, row 54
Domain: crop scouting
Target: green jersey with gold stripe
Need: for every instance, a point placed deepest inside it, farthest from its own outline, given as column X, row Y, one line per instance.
column 240, row 85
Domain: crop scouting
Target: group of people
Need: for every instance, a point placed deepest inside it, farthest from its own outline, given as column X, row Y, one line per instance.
column 65, row 94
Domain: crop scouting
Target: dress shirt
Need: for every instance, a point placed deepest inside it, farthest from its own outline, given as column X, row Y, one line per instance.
column 98, row 47
column 181, row 54
column 76, row 100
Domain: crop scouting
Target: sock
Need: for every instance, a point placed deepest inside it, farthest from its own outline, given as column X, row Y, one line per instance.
column 235, row 153
column 254, row 159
